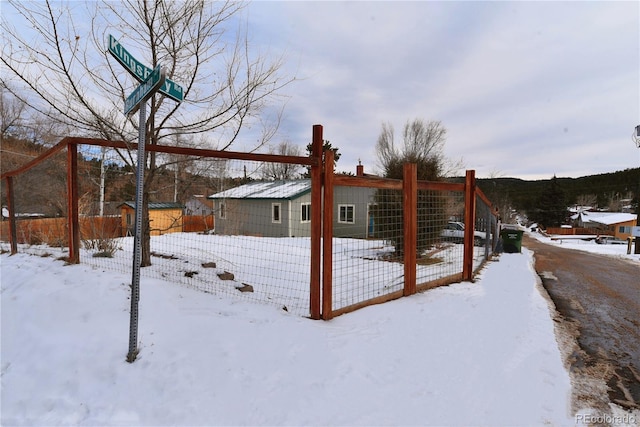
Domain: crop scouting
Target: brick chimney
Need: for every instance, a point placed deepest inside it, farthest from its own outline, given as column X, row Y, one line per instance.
column 359, row 169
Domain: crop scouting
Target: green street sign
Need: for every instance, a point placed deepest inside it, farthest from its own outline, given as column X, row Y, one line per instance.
column 144, row 91
column 140, row 71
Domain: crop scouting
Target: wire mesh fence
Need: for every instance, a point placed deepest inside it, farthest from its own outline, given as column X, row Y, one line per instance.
column 486, row 229
column 244, row 228
column 222, row 226
column 439, row 216
column 367, row 245
column 369, row 240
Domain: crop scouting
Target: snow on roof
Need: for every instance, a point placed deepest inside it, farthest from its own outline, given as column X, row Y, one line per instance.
column 266, row 190
column 608, row 218
column 155, row 205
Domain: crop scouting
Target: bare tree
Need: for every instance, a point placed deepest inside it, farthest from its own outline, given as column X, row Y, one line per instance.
column 12, row 113
column 62, row 62
column 500, row 198
column 422, row 143
column 587, row 200
column 278, row 171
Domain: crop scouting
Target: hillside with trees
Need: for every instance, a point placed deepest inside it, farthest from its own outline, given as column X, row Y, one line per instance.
column 613, row 191
column 42, row 190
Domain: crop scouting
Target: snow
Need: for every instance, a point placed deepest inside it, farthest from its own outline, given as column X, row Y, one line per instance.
column 266, row 190
column 606, row 218
column 574, row 242
column 480, row 353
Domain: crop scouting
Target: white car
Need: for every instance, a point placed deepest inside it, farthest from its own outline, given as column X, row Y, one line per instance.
column 454, row 232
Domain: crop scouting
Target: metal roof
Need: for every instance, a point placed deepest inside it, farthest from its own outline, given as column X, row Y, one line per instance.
column 267, row 190
column 608, row 218
column 156, row 205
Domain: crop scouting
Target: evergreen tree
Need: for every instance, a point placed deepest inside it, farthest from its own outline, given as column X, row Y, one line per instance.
column 326, row 145
column 552, row 209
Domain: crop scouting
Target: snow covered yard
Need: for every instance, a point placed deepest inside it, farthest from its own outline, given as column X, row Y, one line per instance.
column 479, row 353
column 276, row 268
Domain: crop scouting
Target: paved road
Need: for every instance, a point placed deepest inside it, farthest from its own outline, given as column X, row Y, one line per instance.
column 598, row 301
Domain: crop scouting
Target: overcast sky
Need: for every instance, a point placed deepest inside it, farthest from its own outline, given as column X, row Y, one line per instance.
column 524, row 89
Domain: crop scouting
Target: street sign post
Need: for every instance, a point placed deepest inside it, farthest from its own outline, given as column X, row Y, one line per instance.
column 141, row 72
column 152, row 81
column 138, row 99
column 143, row 92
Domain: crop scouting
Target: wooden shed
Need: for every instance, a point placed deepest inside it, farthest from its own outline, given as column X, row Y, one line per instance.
column 164, row 217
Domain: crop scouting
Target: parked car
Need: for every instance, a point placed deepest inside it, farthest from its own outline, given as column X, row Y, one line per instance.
column 610, row 240
column 454, row 232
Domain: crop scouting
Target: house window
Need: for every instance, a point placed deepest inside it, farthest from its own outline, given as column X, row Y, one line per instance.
column 305, row 212
column 128, row 219
column 346, row 214
column 275, row 213
column 625, row 229
column 223, row 210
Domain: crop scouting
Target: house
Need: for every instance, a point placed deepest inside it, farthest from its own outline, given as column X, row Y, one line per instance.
column 198, row 215
column 617, row 224
column 283, row 209
column 164, row 217
column 198, row 205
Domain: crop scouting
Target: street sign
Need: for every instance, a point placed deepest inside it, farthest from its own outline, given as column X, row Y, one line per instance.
column 152, row 81
column 144, row 91
column 141, row 71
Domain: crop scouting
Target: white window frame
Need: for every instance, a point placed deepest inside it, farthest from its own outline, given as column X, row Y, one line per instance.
column 346, row 216
column 222, row 213
column 273, row 211
column 307, row 207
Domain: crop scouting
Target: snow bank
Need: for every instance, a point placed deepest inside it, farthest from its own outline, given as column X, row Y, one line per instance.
column 479, row 353
column 574, row 242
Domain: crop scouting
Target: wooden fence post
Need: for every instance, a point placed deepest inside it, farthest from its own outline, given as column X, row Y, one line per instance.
column 327, row 237
column 410, row 225
column 469, row 224
column 316, row 221
column 72, row 200
column 11, row 207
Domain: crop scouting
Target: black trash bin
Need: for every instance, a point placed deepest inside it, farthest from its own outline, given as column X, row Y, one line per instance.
column 511, row 240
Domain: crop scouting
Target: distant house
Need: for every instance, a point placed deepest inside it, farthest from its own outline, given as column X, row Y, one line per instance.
column 283, row 209
column 164, row 217
column 616, row 224
column 198, row 215
column 198, row 205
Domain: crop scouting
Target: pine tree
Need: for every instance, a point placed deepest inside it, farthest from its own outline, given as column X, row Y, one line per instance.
column 552, row 207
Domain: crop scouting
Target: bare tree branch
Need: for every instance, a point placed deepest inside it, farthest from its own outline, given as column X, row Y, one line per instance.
column 58, row 53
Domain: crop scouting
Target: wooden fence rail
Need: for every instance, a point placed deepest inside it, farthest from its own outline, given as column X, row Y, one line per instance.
column 572, row 231
column 54, row 231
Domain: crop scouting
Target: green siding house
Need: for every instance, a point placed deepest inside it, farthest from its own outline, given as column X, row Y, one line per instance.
column 283, row 209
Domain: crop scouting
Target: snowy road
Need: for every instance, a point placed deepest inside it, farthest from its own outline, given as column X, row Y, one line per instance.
column 598, row 298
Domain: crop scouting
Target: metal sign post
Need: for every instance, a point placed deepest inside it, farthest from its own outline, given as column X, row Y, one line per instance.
column 137, row 242
column 138, row 98
column 152, row 81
